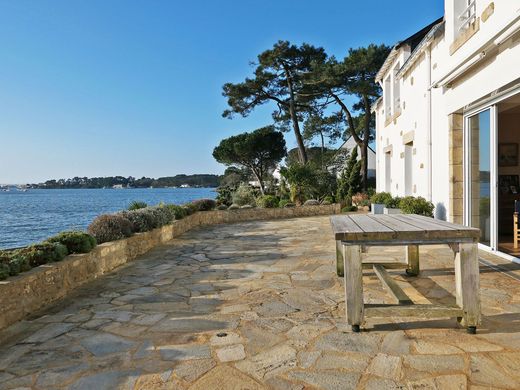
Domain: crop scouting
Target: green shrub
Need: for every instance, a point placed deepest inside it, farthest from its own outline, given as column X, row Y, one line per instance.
column 347, row 209
column 110, row 227
column 143, row 220
column 163, row 215
column 38, row 254
column 284, row 203
column 4, row 271
column 381, row 198
column 190, row 208
column 13, row 264
column 136, row 205
column 244, row 195
column 311, row 202
column 393, row 203
column 75, row 241
column 178, row 211
column 204, row 204
column 419, row 205
column 328, row 200
column 267, row 201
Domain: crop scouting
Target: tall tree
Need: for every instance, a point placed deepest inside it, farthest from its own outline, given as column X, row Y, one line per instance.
column 337, row 82
column 278, row 77
column 258, row 151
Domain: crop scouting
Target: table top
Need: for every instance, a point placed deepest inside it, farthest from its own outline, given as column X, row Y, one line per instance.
column 398, row 228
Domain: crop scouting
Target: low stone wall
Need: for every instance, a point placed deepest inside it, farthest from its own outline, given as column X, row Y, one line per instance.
column 28, row 292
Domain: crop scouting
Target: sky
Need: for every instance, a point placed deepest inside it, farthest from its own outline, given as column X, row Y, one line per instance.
column 134, row 87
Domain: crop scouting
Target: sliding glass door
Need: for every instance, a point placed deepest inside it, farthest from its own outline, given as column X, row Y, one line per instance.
column 480, row 174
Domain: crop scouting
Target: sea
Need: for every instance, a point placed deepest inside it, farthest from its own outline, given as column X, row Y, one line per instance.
column 36, row 214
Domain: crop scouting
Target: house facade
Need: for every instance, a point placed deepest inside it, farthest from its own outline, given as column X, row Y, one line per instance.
column 448, row 122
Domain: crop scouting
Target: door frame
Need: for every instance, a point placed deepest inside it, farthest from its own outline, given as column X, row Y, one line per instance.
column 493, row 180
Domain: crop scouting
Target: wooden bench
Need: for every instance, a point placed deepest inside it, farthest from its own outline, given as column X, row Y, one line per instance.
column 355, row 232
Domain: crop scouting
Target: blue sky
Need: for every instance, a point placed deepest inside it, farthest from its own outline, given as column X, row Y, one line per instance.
column 125, row 87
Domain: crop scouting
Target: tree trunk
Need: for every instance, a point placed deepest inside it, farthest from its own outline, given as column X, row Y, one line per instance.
column 294, row 118
column 363, row 148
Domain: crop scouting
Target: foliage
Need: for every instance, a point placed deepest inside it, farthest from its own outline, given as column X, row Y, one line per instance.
column 338, row 82
column 178, row 211
column 328, row 200
column 4, row 271
column 311, row 202
column 381, row 198
column 204, row 204
column 347, row 209
column 267, row 201
column 308, row 182
column 258, row 151
column 110, row 227
column 75, row 241
column 222, row 207
column 393, row 203
column 198, row 180
column 136, row 205
column 233, row 207
column 349, row 181
column 243, row 195
column 419, row 205
column 284, row 203
column 144, row 220
column 43, row 253
column 278, row 78
column 189, row 208
column 225, row 195
column 360, row 199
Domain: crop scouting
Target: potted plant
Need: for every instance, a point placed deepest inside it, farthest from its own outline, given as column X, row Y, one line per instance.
column 378, row 202
column 392, row 206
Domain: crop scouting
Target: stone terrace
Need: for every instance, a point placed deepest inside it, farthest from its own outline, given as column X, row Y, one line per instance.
column 257, row 305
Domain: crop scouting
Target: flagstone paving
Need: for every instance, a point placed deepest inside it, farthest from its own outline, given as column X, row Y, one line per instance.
column 258, row 305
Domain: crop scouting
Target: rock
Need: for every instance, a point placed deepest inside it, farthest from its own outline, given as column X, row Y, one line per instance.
column 307, row 359
column 349, row 342
column 349, row 361
column 59, row 376
column 226, row 378
column 327, row 380
column 385, row 366
column 435, row 348
column 434, row 363
column 225, row 338
column 193, row 369
column 231, row 353
column 184, row 352
column 486, row 372
column 104, row 344
column 107, row 380
column 269, row 363
column 48, row 332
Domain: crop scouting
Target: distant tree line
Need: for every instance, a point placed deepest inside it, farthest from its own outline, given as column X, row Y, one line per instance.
column 198, row 180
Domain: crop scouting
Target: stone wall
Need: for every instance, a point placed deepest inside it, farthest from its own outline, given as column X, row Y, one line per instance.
column 26, row 293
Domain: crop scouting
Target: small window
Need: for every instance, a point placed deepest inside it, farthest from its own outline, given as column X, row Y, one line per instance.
column 465, row 15
column 396, row 91
column 388, row 97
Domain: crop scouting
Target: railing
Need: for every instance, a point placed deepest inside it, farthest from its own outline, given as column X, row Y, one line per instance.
column 469, row 15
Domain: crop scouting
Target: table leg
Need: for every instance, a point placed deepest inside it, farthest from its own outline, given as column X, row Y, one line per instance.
column 353, row 285
column 467, row 284
column 339, row 259
column 412, row 258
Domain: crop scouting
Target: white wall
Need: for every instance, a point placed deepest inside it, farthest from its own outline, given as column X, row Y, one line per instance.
column 499, row 68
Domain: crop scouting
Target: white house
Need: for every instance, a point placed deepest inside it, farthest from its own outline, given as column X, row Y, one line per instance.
column 350, row 144
column 448, row 123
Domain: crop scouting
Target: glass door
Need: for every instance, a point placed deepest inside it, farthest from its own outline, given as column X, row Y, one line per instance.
column 480, row 174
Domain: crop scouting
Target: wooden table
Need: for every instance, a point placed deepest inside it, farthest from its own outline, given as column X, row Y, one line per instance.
column 355, row 232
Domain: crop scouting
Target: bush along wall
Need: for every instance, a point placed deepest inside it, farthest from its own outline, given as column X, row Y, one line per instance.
column 112, row 227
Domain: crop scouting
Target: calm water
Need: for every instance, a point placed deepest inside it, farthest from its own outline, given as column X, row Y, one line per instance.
column 28, row 217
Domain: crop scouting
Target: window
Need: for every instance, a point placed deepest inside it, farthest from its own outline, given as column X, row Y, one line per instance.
column 465, row 15
column 388, row 172
column 388, row 98
column 408, row 168
column 396, row 91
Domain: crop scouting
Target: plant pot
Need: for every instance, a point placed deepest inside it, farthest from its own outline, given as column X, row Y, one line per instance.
column 392, row 211
column 377, row 208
